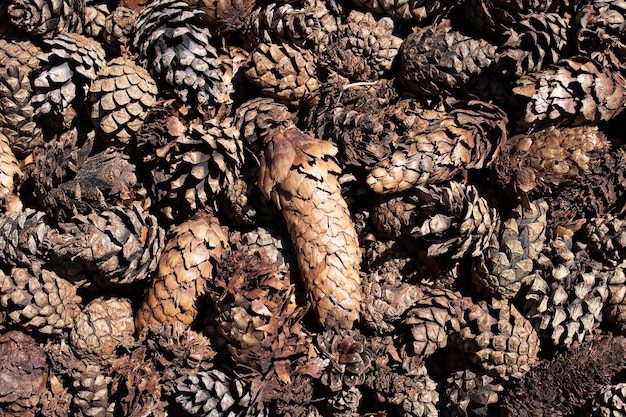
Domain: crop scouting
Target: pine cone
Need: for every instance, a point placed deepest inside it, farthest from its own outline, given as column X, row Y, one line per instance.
column 349, row 362
column 344, row 403
column 276, row 23
column 540, row 161
column 496, row 16
column 68, row 70
column 508, row 263
column 9, row 168
column 558, row 387
column 22, row 235
column 469, row 393
column 47, row 18
column 23, row 372
column 107, row 249
column 118, row 28
column 95, row 14
column 173, row 42
column 57, row 400
column 389, row 291
column 119, row 100
column 606, row 238
column 284, row 72
column 272, row 243
column 39, row 300
column 18, row 60
column 101, row 326
column 436, row 60
column 599, row 25
column 614, row 311
column 412, row 10
column 224, row 16
column 497, row 338
column 573, row 92
column 609, row 401
column 299, row 174
column 184, row 268
column 467, row 138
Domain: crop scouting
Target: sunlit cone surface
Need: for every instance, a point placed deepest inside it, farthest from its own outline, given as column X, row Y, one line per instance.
column 95, row 14
column 118, row 28
column 609, row 401
column 276, row 22
column 47, row 18
column 299, row 174
column 470, row 393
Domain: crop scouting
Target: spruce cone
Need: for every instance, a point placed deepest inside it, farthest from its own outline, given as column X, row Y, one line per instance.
column 39, row 301
column 540, row 161
column 574, row 91
column 114, row 247
column 18, row 60
column 467, row 138
column 9, row 168
column 23, row 372
column 22, row 235
column 469, row 393
column 416, row 10
column 276, row 23
column 184, row 268
column 118, row 28
column 609, row 401
column 62, row 86
column 103, row 324
column 299, row 174
column 349, row 362
column 47, row 18
column 508, row 263
column 285, row 73
column 388, row 288
column 437, row 60
column 173, row 42
column 558, row 387
column 497, row 338
column 120, row 98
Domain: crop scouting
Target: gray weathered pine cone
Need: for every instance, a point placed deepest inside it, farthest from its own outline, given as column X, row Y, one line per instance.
column 185, row 266
column 388, row 275
column 119, row 100
column 609, row 401
column 101, row 326
column 540, row 161
column 437, row 60
column 61, row 88
column 465, row 138
column 10, row 172
column 275, row 23
column 39, row 301
column 110, row 248
column 284, row 72
column 572, row 92
column 469, row 393
column 118, row 28
column 94, row 17
column 23, row 372
column 174, row 44
column 508, row 263
column 18, row 60
column 22, row 236
column 497, row 339
column 565, row 303
column 47, row 18
column 414, row 10
column 532, row 43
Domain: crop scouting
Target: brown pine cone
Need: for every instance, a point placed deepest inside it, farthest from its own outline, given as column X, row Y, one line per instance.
column 469, row 393
column 436, row 60
column 416, row 10
column 614, row 311
column 22, row 235
column 349, row 361
column 465, row 138
column 497, row 338
column 9, row 168
column 39, row 300
column 184, row 268
column 119, row 100
column 299, row 174
column 101, row 326
column 272, row 243
column 609, row 401
column 95, row 14
column 23, row 372
column 18, row 60
column 285, row 73
column 606, row 238
column 276, row 23
column 572, row 92
column 224, row 16
column 118, row 28
column 47, row 18
column 496, row 16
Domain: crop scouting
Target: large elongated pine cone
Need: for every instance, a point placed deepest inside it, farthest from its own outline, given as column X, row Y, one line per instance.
column 173, row 43
column 39, row 300
column 18, row 60
column 560, row 386
column 9, row 168
column 120, row 98
column 47, row 18
column 497, row 338
column 276, row 23
column 184, row 268
column 299, row 174
column 111, row 248
column 574, row 91
column 437, row 60
column 101, row 326
column 284, row 72
column 467, row 138
column 61, row 88
column 540, row 161
column 23, row 372
column 508, row 263
column 417, row 10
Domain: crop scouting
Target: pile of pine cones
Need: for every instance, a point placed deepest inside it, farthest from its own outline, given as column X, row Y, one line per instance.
column 312, row 208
